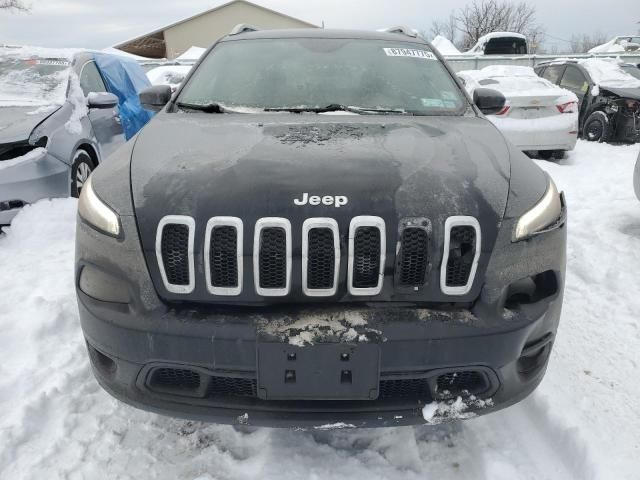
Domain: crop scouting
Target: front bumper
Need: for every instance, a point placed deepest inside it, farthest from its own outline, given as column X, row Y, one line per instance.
column 416, row 345
column 29, row 181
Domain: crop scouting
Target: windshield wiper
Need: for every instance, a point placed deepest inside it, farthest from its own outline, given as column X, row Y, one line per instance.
column 336, row 107
column 212, row 107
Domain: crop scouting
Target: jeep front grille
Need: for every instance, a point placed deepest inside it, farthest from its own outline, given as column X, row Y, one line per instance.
column 461, row 255
column 321, row 254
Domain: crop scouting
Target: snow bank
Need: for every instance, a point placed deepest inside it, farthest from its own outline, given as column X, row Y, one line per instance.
column 606, row 72
column 444, row 46
column 581, row 424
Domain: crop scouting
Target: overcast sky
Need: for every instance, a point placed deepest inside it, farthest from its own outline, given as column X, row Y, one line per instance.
column 100, row 23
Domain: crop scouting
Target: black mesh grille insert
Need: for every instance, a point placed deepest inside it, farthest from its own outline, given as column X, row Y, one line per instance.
column 366, row 262
column 409, row 389
column 461, row 384
column 273, row 258
column 462, row 250
column 413, row 257
column 175, row 379
column 232, row 387
column 175, row 253
column 322, row 261
column 223, row 261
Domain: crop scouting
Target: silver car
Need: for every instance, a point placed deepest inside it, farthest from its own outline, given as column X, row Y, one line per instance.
column 59, row 117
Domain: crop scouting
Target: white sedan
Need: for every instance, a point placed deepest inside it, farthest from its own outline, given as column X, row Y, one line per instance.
column 538, row 115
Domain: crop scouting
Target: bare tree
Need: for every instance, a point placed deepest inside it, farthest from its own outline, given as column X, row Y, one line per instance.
column 585, row 42
column 446, row 28
column 14, row 5
column 485, row 16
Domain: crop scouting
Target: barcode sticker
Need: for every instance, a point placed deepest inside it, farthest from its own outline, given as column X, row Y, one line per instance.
column 409, row 52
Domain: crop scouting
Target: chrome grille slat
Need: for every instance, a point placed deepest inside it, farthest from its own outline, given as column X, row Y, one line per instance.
column 462, row 247
column 223, row 256
column 320, row 257
column 272, row 257
column 174, row 253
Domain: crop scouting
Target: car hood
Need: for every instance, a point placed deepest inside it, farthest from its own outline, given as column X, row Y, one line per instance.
column 632, row 93
column 17, row 123
column 255, row 166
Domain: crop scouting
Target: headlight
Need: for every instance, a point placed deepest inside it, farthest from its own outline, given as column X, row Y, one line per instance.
column 544, row 214
column 96, row 213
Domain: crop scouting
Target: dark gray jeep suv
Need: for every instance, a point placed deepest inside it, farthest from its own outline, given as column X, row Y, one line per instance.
column 320, row 228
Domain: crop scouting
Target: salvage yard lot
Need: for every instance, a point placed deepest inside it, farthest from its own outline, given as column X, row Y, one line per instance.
column 582, row 423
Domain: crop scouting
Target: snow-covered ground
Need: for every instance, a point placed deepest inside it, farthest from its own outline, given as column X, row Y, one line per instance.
column 582, row 423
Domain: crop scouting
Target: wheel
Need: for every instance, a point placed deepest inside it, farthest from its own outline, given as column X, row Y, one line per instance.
column 81, row 169
column 598, row 128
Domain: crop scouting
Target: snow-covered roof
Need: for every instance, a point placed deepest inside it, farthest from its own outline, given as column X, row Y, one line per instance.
column 613, row 46
column 606, row 72
column 194, row 53
column 168, row 75
column 444, row 46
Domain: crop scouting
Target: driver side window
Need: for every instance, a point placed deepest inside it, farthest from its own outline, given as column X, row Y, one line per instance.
column 91, row 80
column 575, row 81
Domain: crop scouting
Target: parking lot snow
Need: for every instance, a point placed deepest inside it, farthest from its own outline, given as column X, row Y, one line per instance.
column 582, row 423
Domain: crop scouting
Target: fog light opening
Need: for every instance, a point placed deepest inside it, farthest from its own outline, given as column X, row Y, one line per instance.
column 104, row 364
column 532, row 290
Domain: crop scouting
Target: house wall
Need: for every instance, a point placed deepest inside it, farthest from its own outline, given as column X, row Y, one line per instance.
column 204, row 30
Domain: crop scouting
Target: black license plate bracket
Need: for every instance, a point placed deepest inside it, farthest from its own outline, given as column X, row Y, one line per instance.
column 325, row 371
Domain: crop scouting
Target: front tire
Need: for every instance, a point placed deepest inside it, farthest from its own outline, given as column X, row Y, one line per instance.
column 81, row 168
column 598, row 128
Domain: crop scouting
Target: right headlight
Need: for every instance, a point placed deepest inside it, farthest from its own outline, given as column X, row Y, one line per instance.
column 96, row 213
column 544, row 214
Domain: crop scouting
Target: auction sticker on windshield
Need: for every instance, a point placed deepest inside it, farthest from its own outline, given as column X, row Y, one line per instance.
column 409, row 52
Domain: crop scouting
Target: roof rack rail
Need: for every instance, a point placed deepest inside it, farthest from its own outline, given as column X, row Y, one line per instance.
column 409, row 32
column 244, row 28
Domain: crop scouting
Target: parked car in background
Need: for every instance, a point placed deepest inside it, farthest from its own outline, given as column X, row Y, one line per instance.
column 608, row 95
column 501, row 43
column 538, row 115
column 621, row 44
column 172, row 75
column 61, row 114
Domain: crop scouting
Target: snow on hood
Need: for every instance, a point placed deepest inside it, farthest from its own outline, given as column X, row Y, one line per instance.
column 194, row 53
column 607, row 73
column 513, row 81
column 34, row 76
column 444, row 46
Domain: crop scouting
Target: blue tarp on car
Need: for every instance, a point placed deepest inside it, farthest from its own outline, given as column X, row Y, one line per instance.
column 126, row 79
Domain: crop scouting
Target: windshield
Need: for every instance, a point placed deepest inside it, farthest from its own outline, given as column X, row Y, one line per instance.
column 33, row 81
column 315, row 73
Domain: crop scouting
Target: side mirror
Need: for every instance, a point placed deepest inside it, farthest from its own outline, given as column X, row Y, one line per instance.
column 155, row 98
column 489, row 101
column 102, row 100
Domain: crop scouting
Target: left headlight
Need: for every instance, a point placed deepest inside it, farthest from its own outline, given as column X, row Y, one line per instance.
column 544, row 214
column 96, row 213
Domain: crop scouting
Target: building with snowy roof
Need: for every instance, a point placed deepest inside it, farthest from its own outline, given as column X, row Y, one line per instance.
column 205, row 28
